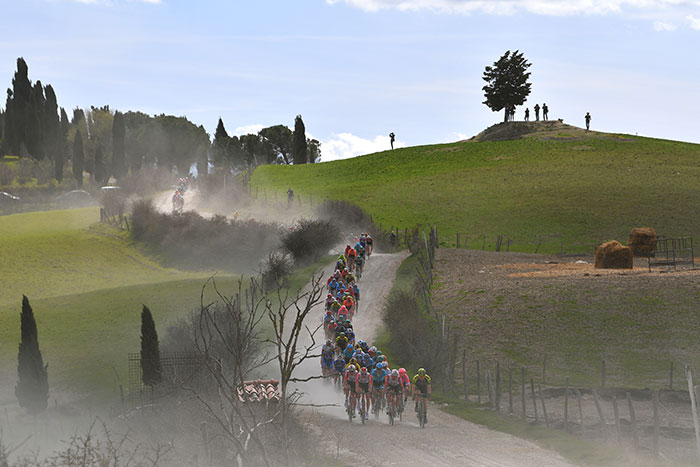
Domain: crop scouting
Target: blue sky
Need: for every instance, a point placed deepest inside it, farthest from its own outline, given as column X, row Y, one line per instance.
column 359, row 69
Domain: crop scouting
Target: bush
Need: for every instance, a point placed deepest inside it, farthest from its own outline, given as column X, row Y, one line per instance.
column 192, row 241
column 276, row 268
column 354, row 218
column 311, row 239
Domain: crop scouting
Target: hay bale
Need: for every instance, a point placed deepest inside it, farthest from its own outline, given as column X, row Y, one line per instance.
column 642, row 241
column 613, row 255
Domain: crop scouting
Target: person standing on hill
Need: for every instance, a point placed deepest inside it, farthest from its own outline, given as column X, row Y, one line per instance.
column 392, row 138
column 537, row 112
column 290, row 197
column 588, row 121
column 545, row 112
column 527, row 114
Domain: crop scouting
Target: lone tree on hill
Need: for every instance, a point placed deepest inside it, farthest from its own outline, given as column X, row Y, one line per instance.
column 507, row 83
column 32, row 388
column 150, row 355
column 299, row 145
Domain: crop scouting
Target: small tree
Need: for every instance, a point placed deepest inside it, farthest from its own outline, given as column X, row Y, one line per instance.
column 299, row 145
column 507, row 83
column 150, row 355
column 78, row 158
column 32, row 388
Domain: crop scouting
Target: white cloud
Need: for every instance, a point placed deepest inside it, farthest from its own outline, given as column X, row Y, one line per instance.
column 347, row 145
column 660, row 26
column 247, row 129
column 541, row 7
column 694, row 22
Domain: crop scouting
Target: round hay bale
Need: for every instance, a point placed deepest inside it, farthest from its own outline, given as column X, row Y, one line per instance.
column 613, row 255
column 642, row 241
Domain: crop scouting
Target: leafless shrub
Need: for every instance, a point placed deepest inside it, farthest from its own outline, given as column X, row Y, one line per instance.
column 7, row 174
column 354, row 219
column 275, row 270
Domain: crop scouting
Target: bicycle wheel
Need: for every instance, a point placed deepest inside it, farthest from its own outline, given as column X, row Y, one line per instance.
column 362, row 413
column 391, row 412
column 421, row 412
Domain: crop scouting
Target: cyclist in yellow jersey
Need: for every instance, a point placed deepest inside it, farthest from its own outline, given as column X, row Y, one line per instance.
column 421, row 388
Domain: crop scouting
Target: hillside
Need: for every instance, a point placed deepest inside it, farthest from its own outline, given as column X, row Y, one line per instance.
column 86, row 283
column 558, row 184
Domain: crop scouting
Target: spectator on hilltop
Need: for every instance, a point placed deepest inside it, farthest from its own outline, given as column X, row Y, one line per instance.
column 290, row 197
column 537, row 112
column 527, row 114
column 545, row 112
column 392, row 138
column 588, row 121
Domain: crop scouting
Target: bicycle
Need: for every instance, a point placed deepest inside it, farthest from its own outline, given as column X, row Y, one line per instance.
column 392, row 409
column 351, row 405
column 364, row 402
column 422, row 410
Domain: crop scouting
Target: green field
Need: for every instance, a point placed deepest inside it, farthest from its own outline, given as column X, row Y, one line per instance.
column 86, row 283
column 570, row 189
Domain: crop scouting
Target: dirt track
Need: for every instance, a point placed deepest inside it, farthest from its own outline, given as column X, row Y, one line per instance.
column 446, row 440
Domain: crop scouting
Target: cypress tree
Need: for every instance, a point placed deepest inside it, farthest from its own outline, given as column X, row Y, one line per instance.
column 299, row 143
column 78, row 158
column 62, row 147
column 32, row 388
column 220, row 145
column 52, row 125
column 34, row 137
column 150, row 354
column 118, row 142
column 16, row 121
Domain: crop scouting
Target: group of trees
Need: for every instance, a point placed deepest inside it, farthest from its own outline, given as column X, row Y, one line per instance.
column 106, row 143
column 276, row 144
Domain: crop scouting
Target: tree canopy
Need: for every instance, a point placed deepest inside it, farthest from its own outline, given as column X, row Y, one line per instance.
column 507, row 82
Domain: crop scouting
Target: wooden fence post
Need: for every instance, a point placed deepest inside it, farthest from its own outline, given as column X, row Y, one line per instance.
column 483, row 247
column 580, row 409
column 566, row 406
column 633, row 419
column 599, row 409
column 464, row 373
column 478, row 381
column 298, row 199
column 498, row 387
column 693, row 406
column 544, row 408
column 534, row 398
column 490, row 388
column 510, row 390
column 457, row 239
column 522, row 392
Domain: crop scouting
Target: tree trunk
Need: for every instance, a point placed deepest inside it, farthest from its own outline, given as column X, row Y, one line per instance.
column 505, row 114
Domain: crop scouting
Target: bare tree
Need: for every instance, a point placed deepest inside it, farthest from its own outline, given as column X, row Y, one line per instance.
column 294, row 341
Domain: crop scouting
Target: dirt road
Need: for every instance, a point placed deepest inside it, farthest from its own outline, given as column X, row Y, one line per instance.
column 445, row 441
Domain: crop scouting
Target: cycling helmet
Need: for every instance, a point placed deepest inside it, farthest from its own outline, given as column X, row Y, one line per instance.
column 329, row 312
column 348, row 321
column 395, row 373
column 373, row 349
column 380, row 358
column 379, row 352
column 421, row 371
column 364, row 369
column 352, row 368
column 402, row 371
column 341, row 334
column 328, row 342
column 350, row 346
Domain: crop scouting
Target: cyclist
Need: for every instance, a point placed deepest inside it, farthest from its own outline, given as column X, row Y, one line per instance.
column 359, row 264
column 351, row 254
column 327, row 353
column 341, row 341
column 329, row 301
column 348, row 353
column 338, row 369
column 333, row 286
column 378, row 376
column 363, row 345
column 349, row 304
column 394, row 390
column 406, row 380
column 373, row 352
column 335, row 306
column 367, row 361
column 349, row 333
column 370, row 245
column 343, row 314
column 364, row 379
column 421, row 388
column 350, row 384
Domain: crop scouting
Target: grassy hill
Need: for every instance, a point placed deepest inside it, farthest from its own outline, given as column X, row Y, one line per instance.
column 554, row 182
column 86, row 283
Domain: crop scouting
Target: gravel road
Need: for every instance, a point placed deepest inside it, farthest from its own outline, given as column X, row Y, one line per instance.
column 445, row 441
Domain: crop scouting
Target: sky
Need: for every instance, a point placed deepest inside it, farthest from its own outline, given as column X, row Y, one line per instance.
column 356, row 70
